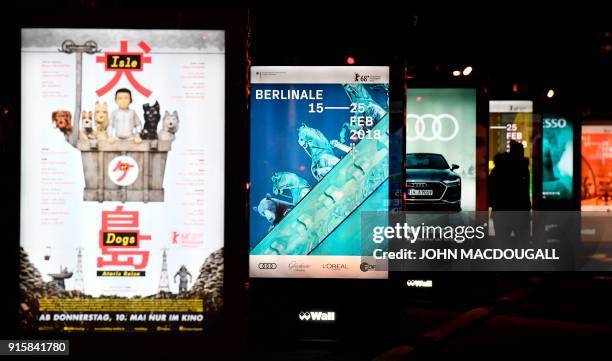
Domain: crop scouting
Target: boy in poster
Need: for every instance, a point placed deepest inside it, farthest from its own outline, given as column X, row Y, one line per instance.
column 125, row 123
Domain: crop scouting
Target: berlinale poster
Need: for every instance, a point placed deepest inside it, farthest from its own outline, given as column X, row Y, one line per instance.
column 319, row 158
column 121, row 179
column 511, row 121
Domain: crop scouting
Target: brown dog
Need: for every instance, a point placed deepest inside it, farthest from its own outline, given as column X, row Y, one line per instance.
column 62, row 120
column 101, row 120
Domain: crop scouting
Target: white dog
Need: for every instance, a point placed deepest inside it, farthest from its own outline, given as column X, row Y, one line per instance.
column 87, row 129
column 169, row 127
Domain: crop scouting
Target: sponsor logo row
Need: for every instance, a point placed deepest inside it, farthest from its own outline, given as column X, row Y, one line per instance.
column 314, row 266
column 295, row 266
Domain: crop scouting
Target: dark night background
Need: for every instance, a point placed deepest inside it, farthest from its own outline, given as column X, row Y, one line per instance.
column 518, row 51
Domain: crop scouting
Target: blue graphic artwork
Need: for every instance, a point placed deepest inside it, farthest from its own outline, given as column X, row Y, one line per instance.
column 298, row 143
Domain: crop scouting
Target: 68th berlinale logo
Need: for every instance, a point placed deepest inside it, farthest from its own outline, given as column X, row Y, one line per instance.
column 269, row 265
column 361, row 78
column 428, row 127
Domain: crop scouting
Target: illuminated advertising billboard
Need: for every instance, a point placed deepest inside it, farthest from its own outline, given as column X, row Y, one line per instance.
column 319, row 158
column 596, row 178
column 122, row 179
column 510, row 122
column 440, row 149
column 557, row 157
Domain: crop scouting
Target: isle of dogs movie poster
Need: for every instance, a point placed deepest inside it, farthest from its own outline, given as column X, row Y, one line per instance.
column 122, row 164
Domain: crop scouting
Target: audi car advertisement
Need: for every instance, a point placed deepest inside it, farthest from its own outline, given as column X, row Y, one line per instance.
column 440, row 149
column 319, row 158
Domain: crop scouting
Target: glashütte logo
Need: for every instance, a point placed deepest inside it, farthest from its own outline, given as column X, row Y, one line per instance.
column 420, row 283
column 335, row 266
column 365, row 267
column 298, row 267
column 269, row 265
column 317, row 316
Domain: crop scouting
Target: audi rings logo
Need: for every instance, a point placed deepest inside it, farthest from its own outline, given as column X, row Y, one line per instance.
column 262, row 265
column 417, row 185
column 428, row 127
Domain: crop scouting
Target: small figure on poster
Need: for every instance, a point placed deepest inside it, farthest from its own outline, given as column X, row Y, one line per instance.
column 125, row 123
column 184, row 277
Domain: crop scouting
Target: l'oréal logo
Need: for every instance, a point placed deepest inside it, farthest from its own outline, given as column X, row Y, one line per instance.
column 309, row 316
column 335, row 266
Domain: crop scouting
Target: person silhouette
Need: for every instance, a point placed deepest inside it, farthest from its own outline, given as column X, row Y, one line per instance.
column 509, row 183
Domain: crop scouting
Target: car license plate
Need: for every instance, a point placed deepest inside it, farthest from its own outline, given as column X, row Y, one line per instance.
column 420, row 192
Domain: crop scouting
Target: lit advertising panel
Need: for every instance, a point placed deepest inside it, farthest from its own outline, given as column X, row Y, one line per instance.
column 596, row 179
column 511, row 121
column 557, row 158
column 122, row 179
column 319, row 158
column 441, row 149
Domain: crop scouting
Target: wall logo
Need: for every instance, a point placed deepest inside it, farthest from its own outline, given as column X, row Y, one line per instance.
column 429, row 127
column 310, row 316
column 335, row 266
column 123, row 170
column 365, row 267
column 420, row 283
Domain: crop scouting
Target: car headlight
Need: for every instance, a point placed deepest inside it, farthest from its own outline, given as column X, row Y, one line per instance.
column 452, row 181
